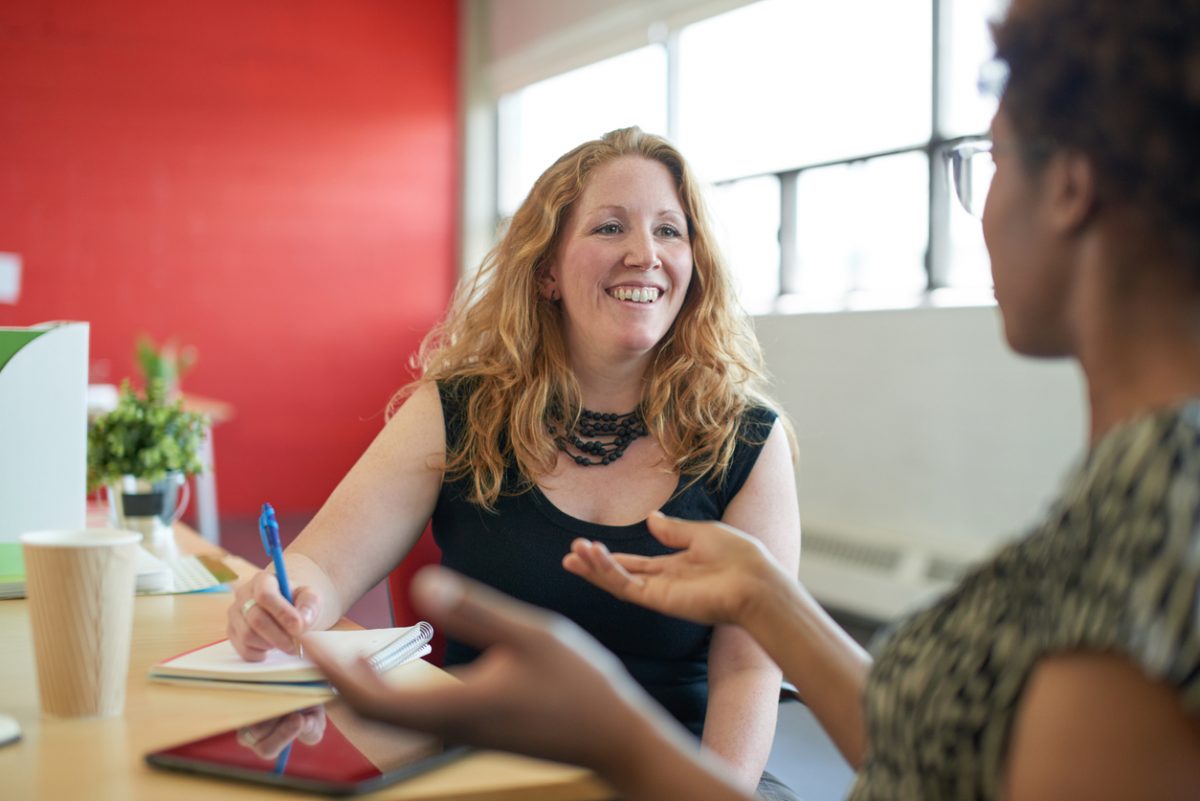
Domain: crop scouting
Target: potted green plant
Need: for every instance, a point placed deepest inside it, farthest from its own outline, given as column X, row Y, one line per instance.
column 141, row 454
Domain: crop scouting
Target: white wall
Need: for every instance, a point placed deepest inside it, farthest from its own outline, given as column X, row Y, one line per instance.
column 920, row 426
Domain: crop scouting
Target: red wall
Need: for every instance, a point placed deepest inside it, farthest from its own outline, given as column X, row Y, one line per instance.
column 271, row 181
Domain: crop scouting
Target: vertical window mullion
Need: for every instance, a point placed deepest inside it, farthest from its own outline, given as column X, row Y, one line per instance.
column 939, row 219
column 939, row 210
column 672, row 46
column 789, row 267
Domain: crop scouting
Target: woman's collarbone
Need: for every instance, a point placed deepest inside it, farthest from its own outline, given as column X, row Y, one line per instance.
column 604, row 495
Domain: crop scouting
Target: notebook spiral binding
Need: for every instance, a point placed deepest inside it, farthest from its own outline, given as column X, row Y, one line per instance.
column 401, row 649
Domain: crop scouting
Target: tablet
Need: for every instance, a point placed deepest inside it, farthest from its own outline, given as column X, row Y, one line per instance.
column 326, row 749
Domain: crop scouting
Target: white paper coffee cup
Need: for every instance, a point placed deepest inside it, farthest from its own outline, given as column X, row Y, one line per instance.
column 80, row 585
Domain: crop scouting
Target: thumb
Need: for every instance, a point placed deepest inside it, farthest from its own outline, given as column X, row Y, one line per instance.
column 672, row 532
column 473, row 613
column 308, row 604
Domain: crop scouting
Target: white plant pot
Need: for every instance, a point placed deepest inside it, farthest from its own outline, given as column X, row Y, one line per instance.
column 149, row 508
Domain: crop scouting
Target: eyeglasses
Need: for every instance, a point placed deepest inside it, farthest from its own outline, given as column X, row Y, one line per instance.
column 993, row 78
column 970, row 161
column 971, row 170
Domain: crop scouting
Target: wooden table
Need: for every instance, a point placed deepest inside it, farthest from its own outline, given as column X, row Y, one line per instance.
column 102, row 759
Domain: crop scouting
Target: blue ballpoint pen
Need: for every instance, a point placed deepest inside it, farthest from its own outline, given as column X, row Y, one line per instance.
column 269, row 530
column 282, row 760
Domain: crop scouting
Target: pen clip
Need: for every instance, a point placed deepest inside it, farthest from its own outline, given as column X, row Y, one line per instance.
column 268, row 528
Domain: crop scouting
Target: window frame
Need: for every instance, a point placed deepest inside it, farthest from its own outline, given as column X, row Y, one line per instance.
column 938, row 246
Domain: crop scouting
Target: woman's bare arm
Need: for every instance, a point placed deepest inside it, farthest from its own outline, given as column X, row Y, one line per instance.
column 1094, row 727
column 368, row 524
column 743, row 681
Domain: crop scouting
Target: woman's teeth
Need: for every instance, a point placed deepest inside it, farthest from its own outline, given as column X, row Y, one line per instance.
column 636, row 294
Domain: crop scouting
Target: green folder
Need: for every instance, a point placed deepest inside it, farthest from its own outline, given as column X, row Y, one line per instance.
column 13, row 339
column 12, row 570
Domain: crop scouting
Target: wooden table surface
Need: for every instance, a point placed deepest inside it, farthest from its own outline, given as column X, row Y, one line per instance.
column 103, row 759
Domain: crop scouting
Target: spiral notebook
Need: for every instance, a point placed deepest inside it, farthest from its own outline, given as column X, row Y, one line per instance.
column 219, row 665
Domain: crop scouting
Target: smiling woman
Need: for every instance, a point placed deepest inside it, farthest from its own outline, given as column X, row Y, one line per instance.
column 596, row 369
column 623, row 267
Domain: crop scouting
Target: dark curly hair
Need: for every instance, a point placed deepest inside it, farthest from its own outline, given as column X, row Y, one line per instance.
column 1119, row 81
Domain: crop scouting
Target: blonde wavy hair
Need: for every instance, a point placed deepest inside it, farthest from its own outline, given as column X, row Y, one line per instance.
column 503, row 337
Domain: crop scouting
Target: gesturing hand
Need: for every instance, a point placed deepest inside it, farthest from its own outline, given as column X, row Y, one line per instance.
column 542, row 687
column 714, row 577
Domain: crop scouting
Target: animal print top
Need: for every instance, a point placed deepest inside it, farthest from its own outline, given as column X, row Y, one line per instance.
column 1115, row 567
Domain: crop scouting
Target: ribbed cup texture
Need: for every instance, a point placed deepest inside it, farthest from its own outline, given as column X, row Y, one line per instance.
column 81, row 609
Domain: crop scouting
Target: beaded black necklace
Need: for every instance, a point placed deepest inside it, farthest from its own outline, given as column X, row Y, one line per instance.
column 608, row 435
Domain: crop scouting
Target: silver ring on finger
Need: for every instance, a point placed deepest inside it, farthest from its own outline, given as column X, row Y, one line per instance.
column 246, row 607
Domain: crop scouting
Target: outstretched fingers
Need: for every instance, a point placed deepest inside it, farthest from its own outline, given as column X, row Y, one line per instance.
column 672, row 532
column 615, row 573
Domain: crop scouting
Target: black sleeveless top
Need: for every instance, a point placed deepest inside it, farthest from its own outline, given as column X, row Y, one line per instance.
column 518, row 549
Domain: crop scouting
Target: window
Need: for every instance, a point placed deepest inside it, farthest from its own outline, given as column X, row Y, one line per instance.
column 745, row 216
column 860, row 230
column 541, row 122
column 768, row 88
column 820, row 128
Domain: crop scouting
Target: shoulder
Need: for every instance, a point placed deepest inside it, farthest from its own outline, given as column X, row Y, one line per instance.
column 455, row 392
column 1142, row 466
column 454, row 395
column 1139, row 496
column 1094, row 726
column 422, row 403
column 754, row 429
column 756, row 424
column 1130, row 520
column 757, row 441
column 1135, row 504
column 419, row 415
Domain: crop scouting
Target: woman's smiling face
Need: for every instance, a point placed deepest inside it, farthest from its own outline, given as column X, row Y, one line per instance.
column 624, row 262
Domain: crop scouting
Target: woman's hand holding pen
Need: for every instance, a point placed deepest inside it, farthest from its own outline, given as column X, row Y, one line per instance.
column 717, row 574
column 266, row 612
column 260, row 619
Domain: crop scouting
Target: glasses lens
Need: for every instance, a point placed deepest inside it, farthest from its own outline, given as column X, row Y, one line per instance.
column 993, row 77
column 972, row 169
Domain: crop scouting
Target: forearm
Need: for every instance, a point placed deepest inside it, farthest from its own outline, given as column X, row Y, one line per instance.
column 827, row 666
column 304, row 571
column 656, row 760
column 743, row 703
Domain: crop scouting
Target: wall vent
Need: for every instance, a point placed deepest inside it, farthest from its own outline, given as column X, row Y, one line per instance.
column 867, row 556
column 879, row 578
column 942, row 568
